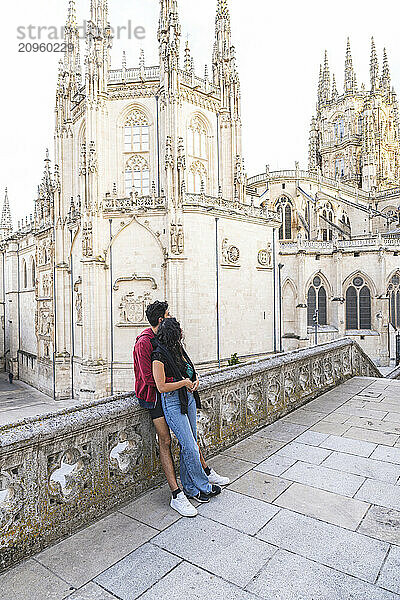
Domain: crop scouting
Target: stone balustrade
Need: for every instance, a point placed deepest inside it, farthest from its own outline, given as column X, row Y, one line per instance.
column 371, row 242
column 133, row 204
column 61, row 471
column 231, row 206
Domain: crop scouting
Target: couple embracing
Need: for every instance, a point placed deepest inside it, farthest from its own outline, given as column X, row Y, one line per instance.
column 166, row 384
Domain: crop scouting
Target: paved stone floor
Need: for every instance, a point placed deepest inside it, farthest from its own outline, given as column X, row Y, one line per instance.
column 312, row 513
column 19, row 401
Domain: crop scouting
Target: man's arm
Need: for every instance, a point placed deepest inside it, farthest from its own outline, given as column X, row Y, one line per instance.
column 143, row 352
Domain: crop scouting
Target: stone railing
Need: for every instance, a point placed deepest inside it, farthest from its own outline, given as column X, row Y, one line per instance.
column 134, row 203
column 337, row 184
column 134, row 74
column 232, row 206
column 61, row 471
column 372, row 241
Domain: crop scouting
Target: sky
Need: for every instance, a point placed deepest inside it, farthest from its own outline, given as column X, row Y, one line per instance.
column 279, row 46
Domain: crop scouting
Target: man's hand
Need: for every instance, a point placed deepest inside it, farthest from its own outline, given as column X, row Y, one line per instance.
column 196, row 385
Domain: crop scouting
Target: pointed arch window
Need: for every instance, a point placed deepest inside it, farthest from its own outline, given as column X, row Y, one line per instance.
column 317, row 298
column 285, row 212
column 327, row 220
column 197, row 138
column 358, row 305
column 137, row 133
column 394, row 300
column 197, row 178
column 339, row 167
column 24, row 274
column 137, row 176
column 339, row 129
column 33, row 273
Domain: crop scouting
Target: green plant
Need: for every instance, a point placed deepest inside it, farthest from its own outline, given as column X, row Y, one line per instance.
column 233, row 360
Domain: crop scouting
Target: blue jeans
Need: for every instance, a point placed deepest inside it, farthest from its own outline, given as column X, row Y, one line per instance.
column 193, row 477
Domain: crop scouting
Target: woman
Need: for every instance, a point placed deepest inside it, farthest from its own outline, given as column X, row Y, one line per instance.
column 177, row 382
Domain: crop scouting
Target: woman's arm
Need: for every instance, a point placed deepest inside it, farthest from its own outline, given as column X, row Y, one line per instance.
column 162, row 386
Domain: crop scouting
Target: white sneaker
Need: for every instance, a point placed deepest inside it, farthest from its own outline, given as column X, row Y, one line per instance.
column 218, row 479
column 182, row 505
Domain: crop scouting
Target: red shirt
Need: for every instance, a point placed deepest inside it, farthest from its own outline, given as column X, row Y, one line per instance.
column 145, row 386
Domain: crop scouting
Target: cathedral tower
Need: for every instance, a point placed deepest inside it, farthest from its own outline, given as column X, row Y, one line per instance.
column 354, row 135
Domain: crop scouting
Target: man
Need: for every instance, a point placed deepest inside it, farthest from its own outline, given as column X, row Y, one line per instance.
column 146, row 393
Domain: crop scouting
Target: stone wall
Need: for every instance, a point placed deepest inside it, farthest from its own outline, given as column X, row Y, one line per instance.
column 62, row 471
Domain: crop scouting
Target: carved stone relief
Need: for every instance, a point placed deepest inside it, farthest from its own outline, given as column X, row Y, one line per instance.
column 231, row 409
column 205, row 423
column 12, row 498
column 69, row 474
column 265, row 257
column 177, row 239
column 78, row 301
column 44, row 320
column 230, row 253
column 126, row 451
column 87, row 240
column 132, row 309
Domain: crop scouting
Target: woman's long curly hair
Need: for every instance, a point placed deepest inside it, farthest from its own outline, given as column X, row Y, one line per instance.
column 170, row 335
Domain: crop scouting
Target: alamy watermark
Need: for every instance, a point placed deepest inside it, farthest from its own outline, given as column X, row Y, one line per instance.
column 50, row 38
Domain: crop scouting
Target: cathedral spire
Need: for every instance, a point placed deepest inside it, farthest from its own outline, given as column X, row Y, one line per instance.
column 386, row 79
column 99, row 42
column 70, row 72
column 320, row 80
column 350, row 85
column 334, row 89
column 326, row 81
column 6, row 222
column 374, row 67
column 222, row 43
column 187, row 63
column 169, row 38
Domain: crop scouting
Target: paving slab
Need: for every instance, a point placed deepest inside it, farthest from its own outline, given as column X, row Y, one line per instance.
column 358, row 447
column 304, row 452
column 367, row 413
column 330, row 428
column 312, row 438
column 333, row 546
column 385, row 426
column 283, row 431
column 322, row 505
column 369, row 435
column 86, row 554
column 243, row 513
column 291, row 577
column 260, row 485
column 91, row 591
column 229, row 467
column 138, row 571
column 304, row 417
column 380, row 493
column 191, row 583
column 390, row 574
column 382, row 523
column 366, row 467
column 153, row 509
column 391, row 455
column 275, row 465
column 227, row 553
column 336, row 417
column 32, row 581
column 323, row 478
column 254, row 449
